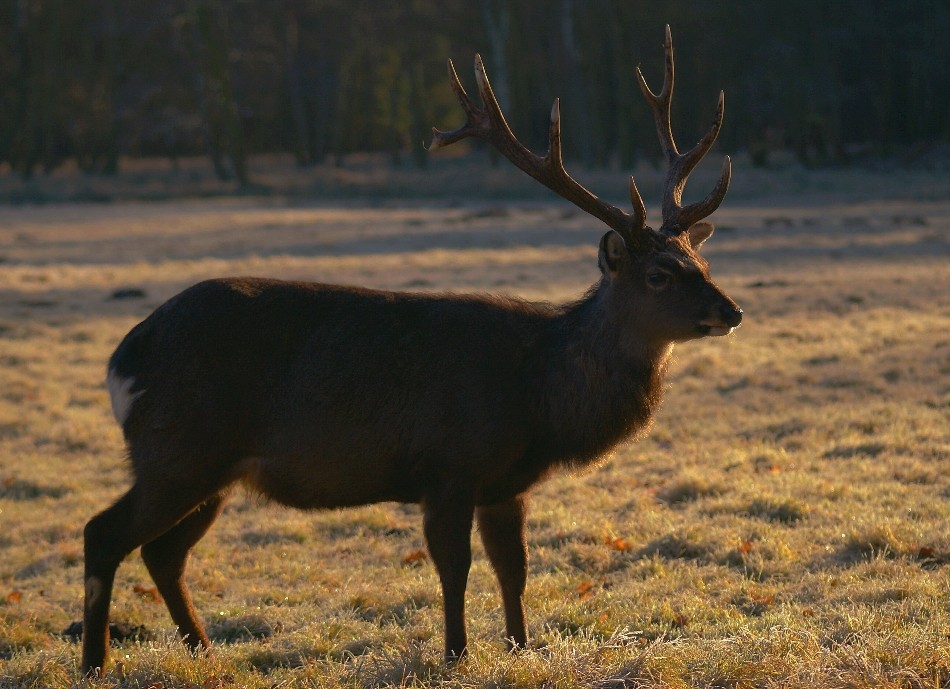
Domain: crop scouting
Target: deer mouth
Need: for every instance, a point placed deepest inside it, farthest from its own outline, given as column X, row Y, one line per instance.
column 715, row 329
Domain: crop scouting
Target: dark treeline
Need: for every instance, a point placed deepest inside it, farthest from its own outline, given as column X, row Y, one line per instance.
column 829, row 80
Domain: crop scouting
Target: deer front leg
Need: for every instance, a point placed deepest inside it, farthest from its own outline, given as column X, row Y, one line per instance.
column 501, row 527
column 448, row 528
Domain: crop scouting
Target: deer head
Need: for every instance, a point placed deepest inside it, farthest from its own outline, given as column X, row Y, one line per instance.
column 656, row 276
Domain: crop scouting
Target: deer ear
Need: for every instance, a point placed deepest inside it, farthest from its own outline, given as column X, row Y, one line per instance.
column 612, row 254
column 699, row 233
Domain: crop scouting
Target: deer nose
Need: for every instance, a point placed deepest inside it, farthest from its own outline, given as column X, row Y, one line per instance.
column 731, row 314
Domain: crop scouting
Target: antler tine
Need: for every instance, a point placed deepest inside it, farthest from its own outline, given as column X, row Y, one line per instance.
column 488, row 123
column 639, row 210
column 440, row 138
column 677, row 219
column 660, row 103
column 693, row 213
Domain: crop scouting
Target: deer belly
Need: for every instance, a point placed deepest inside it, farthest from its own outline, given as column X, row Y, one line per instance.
column 327, row 483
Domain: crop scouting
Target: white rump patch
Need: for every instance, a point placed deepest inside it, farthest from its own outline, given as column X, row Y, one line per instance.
column 121, row 395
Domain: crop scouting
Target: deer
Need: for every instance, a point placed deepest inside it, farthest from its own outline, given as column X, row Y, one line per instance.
column 320, row 396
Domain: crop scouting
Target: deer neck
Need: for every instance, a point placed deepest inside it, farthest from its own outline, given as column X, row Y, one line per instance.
column 596, row 330
column 606, row 379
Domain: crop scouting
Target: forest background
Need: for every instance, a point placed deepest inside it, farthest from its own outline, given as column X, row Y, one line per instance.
column 99, row 82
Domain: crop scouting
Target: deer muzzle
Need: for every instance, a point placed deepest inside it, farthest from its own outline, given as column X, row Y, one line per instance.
column 727, row 319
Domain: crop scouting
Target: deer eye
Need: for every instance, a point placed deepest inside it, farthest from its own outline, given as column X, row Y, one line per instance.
column 658, row 279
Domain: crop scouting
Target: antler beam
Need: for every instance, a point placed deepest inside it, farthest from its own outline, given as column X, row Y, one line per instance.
column 488, row 123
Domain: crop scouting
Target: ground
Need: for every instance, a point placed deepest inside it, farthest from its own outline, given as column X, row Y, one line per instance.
column 785, row 523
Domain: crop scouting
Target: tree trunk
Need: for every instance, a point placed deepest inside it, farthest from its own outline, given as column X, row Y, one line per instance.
column 576, row 101
column 302, row 144
column 496, row 19
column 220, row 111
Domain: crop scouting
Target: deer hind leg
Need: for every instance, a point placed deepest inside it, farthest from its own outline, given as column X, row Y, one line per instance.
column 448, row 532
column 141, row 515
column 105, row 545
column 165, row 558
column 501, row 528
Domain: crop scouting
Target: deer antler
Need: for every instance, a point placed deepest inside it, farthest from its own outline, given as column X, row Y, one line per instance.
column 488, row 123
column 676, row 218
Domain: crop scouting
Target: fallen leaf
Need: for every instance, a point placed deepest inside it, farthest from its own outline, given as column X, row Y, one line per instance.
column 616, row 543
column 415, row 556
column 149, row 593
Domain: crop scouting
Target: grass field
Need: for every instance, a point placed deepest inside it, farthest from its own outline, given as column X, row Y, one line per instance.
column 785, row 524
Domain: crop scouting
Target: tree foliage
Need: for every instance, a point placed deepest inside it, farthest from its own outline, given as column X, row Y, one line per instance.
column 100, row 79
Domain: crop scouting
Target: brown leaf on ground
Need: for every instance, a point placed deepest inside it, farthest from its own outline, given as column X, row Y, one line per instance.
column 616, row 543
column 585, row 589
column 149, row 593
column 416, row 556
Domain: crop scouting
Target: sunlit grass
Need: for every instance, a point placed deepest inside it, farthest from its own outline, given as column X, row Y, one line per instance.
column 786, row 523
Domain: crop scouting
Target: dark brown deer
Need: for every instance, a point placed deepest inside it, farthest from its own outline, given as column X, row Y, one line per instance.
column 321, row 396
